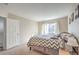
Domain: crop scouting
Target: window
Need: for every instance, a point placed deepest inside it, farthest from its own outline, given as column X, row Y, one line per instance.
column 49, row 28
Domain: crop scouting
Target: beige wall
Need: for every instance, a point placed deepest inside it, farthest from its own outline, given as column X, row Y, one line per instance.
column 28, row 28
column 62, row 24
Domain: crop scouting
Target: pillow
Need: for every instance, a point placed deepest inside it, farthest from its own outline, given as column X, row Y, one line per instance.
column 64, row 38
column 72, row 41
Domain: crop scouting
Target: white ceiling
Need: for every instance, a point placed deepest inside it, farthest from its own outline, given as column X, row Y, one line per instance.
column 40, row 11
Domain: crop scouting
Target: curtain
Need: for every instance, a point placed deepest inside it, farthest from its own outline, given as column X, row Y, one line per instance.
column 50, row 28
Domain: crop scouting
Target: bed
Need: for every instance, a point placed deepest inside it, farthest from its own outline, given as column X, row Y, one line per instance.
column 50, row 44
column 47, row 44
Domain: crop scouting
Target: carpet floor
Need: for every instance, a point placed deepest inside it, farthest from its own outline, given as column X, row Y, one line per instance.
column 24, row 50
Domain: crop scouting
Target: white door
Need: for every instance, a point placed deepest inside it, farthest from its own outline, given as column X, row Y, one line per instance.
column 13, row 33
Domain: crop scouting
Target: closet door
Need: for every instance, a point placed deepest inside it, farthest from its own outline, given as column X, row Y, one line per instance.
column 12, row 33
column 17, row 33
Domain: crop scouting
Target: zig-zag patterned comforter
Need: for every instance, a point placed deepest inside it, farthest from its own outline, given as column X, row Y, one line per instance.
column 44, row 42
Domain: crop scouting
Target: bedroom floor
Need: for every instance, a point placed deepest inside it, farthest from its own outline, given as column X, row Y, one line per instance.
column 24, row 50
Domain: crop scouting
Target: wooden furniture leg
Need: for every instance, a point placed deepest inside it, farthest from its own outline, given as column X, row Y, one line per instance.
column 30, row 48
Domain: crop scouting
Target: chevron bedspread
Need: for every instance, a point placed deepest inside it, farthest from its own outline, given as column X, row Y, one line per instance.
column 49, row 43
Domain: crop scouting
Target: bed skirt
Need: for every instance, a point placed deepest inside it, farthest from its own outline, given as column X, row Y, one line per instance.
column 44, row 50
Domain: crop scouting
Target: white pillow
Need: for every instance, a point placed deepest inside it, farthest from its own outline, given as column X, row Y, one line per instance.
column 72, row 41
